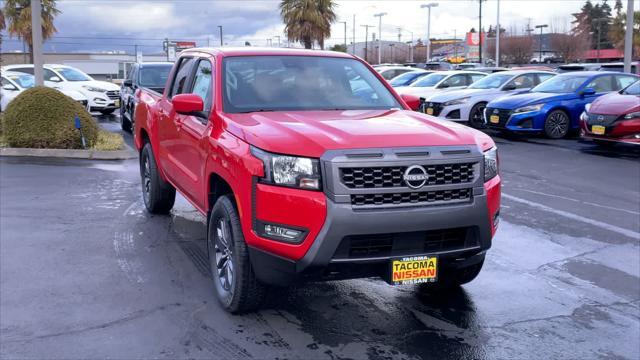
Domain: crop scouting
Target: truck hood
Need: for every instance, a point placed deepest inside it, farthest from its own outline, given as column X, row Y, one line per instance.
column 615, row 104
column 530, row 98
column 311, row 133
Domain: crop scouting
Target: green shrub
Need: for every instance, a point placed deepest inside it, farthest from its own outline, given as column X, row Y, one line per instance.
column 42, row 117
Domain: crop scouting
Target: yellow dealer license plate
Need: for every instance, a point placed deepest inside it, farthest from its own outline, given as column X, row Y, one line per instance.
column 429, row 111
column 597, row 129
column 494, row 119
column 414, row 270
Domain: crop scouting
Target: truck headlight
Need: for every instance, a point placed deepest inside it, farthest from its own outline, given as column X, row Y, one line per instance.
column 529, row 108
column 632, row 115
column 490, row 163
column 288, row 170
column 456, row 101
column 94, row 89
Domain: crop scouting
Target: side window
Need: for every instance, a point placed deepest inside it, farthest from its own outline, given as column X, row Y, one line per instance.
column 622, row 81
column 202, row 83
column 526, row 81
column 544, row 77
column 602, row 84
column 179, row 85
column 473, row 78
column 51, row 76
column 5, row 82
column 456, row 80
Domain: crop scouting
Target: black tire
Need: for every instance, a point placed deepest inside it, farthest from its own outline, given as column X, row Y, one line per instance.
column 233, row 277
column 557, row 124
column 159, row 196
column 125, row 123
column 452, row 278
column 476, row 119
column 107, row 112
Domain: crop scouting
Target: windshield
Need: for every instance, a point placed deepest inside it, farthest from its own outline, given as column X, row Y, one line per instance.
column 72, row 74
column 633, row 89
column 561, row 84
column 406, row 78
column 429, row 80
column 491, row 82
column 154, row 76
column 280, row 83
column 24, row 81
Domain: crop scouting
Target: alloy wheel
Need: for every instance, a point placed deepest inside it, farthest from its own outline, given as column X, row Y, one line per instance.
column 146, row 179
column 557, row 125
column 223, row 255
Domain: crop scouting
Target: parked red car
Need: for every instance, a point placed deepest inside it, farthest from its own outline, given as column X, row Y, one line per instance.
column 614, row 117
column 309, row 166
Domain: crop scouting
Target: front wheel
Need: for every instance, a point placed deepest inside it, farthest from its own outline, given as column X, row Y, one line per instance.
column 557, row 124
column 159, row 196
column 233, row 277
column 476, row 118
column 125, row 123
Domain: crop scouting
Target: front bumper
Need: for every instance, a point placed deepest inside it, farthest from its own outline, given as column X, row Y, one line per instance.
column 532, row 121
column 333, row 222
column 459, row 112
column 103, row 101
column 616, row 128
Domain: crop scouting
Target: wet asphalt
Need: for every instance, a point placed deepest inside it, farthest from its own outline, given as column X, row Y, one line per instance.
column 85, row 272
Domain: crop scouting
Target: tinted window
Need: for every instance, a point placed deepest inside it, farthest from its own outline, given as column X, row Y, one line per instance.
column 276, row 83
column 202, row 83
column 180, row 79
column 561, row 84
column 524, row 81
column 456, row 80
column 602, row 84
column 71, row 74
column 544, row 77
column 153, row 76
column 429, row 80
column 51, row 76
column 633, row 89
column 25, row 81
column 624, row 81
column 26, row 70
column 475, row 77
column 406, row 78
column 493, row 81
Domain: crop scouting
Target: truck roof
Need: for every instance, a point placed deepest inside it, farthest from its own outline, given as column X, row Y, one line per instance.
column 257, row 51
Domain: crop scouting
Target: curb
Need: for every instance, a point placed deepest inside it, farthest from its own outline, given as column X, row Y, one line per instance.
column 124, row 154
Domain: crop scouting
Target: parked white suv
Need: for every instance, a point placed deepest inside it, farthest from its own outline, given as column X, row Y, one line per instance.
column 467, row 105
column 103, row 96
column 13, row 83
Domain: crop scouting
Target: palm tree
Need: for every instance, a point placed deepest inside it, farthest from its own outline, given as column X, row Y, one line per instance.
column 18, row 16
column 308, row 21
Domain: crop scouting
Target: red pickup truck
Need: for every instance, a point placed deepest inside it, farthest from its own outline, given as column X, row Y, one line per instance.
column 309, row 166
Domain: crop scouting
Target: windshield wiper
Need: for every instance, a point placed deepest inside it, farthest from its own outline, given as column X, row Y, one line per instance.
column 255, row 110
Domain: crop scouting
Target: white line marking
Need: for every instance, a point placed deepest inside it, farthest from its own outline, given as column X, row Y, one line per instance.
column 629, row 233
column 582, row 202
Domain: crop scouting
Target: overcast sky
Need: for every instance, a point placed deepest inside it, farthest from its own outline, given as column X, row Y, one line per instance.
column 118, row 24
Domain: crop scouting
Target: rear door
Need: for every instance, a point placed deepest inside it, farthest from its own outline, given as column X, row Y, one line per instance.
column 191, row 149
column 169, row 123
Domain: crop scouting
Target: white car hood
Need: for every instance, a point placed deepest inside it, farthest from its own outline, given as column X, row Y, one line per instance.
column 462, row 93
column 75, row 95
column 417, row 91
column 78, row 85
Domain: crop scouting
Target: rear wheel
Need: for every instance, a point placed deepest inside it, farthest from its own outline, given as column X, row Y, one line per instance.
column 557, row 124
column 476, row 118
column 159, row 196
column 235, row 283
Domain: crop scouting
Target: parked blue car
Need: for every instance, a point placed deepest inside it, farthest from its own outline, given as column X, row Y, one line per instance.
column 408, row 78
column 554, row 106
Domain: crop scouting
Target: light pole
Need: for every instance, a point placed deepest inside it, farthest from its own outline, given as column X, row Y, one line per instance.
column 353, row 48
column 393, row 58
column 366, row 42
column 221, row 39
column 455, row 44
column 628, row 38
column 379, row 16
column 278, row 36
column 498, row 36
column 428, row 6
column 540, row 40
column 598, row 22
column 480, row 32
column 345, row 36
column 36, row 41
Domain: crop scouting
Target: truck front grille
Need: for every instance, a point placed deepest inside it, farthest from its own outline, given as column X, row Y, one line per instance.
column 113, row 94
column 391, row 176
column 401, row 244
column 413, row 198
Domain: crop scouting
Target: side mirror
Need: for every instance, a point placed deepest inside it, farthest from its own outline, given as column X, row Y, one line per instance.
column 54, row 79
column 509, row 87
column 9, row 87
column 587, row 92
column 412, row 101
column 127, row 83
column 188, row 104
column 443, row 86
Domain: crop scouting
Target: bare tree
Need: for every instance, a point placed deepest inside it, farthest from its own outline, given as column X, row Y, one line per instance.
column 571, row 47
column 516, row 49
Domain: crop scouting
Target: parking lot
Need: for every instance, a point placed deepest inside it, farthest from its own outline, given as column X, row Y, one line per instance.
column 86, row 272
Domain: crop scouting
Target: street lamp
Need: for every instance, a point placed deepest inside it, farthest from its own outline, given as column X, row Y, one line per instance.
column 539, row 40
column 598, row 23
column 278, row 36
column 221, row 38
column 366, row 42
column 429, row 6
column 379, row 16
column 345, row 36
